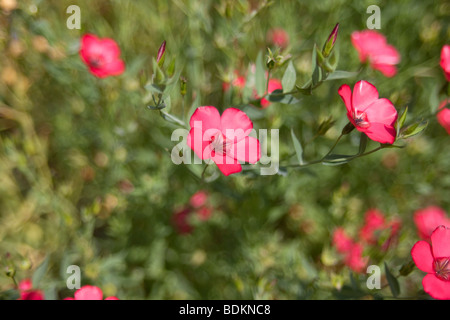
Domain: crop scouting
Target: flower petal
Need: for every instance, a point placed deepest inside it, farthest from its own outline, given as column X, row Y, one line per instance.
column 387, row 70
column 206, row 117
column 428, row 219
column 381, row 111
column 89, row 293
column 346, row 94
column 235, row 124
column 422, row 256
column 226, row 164
column 364, row 93
column 247, row 150
column 112, row 298
column 200, row 141
column 380, row 132
column 440, row 242
column 435, row 287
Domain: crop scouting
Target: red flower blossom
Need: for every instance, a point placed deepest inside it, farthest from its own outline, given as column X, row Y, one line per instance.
column 237, row 82
column 352, row 251
column 274, row 84
column 278, row 37
column 89, row 293
column 26, row 292
column 445, row 61
column 374, row 222
column 370, row 115
column 342, row 241
column 223, row 139
column 102, row 56
column 181, row 221
column 354, row 259
column 428, row 219
column 204, row 213
column 198, row 199
column 435, row 260
column 443, row 115
column 372, row 46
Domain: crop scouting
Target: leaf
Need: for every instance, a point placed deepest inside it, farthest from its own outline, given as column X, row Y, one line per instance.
column 155, row 88
column 362, row 143
column 413, row 129
column 298, row 147
column 401, row 120
column 278, row 96
column 392, row 281
column 337, row 159
column 340, row 74
column 260, row 78
column 171, row 118
column 40, row 272
column 289, row 78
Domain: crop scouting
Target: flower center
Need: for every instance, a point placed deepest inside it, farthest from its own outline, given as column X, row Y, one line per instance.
column 442, row 268
column 96, row 61
column 219, row 145
column 361, row 119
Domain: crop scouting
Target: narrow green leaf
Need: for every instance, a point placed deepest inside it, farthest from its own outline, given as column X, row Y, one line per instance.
column 40, row 272
column 298, row 147
column 413, row 129
column 260, row 76
column 401, row 120
column 278, row 96
column 340, row 74
column 392, row 281
column 289, row 78
column 337, row 159
column 171, row 118
column 362, row 143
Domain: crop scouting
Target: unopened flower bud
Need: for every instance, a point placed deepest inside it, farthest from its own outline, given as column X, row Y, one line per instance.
column 329, row 44
column 348, row 128
column 161, row 54
column 183, row 86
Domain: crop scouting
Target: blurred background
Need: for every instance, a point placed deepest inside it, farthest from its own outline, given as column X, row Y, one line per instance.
column 86, row 176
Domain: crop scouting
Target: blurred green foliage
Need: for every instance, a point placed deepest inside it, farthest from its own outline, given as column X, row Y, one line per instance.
column 85, row 169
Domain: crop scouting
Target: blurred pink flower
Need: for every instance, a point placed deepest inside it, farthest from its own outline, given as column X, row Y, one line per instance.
column 443, row 115
column 373, row 116
column 274, row 84
column 180, row 219
column 278, row 37
column 342, row 241
column 102, row 56
column 223, row 139
column 445, row 61
column 238, row 82
column 435, row 261
column 354, row 259
column 204, row 213
column 26, row 292
column 89, row 293
column 352, row 251
column 428, row 219
column 372, row 46
column 374, row 221
column 198, row 199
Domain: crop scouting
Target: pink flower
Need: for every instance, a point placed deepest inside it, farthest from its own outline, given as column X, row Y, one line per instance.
column 352, row 251
column 435, row 260
column 370, row 115
column 443, row 115
column 428, row 219
column 372, row 46
column 180, row 219
column 26, row 292
column 354, row 259
column 102, row 56
column 204, row 213
column 374, row 222
column 342, row 241
column 237, row 82
column 445, row 61
column 223, row 139
column 278, row 37
column 274, row 84
column 198, row 199
column 89, row 293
